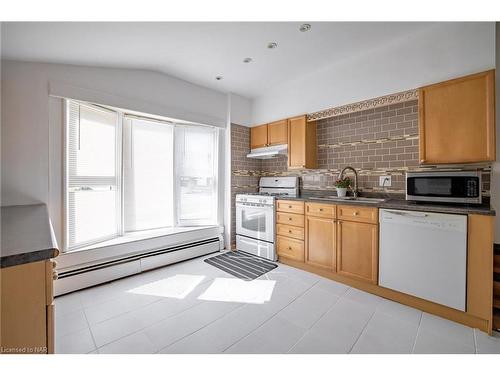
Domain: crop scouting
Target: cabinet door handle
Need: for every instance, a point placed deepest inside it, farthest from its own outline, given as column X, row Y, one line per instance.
column 289, row 218
column 321, row 209
column 289, row 248
column 289, row 231
column 289, row 206
column 355, row 213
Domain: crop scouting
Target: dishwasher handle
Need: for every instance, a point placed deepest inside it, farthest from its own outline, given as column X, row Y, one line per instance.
column 408, row 214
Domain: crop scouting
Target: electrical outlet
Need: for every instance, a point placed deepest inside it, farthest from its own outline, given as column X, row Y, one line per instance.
column 385, row 181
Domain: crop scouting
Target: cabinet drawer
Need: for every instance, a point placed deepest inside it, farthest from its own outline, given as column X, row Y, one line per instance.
column 358, row 213
column 290, row 219
column 290, row 231
column 290, row 248
column 320, row 209
column 294, row 207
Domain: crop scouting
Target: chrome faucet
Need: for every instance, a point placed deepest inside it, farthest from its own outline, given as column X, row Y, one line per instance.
column 341, row 175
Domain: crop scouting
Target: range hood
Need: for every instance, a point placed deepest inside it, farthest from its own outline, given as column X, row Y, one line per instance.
column 268, row 152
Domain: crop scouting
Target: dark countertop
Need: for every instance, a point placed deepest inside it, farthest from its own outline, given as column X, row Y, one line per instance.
column 27, row 235
column 401, row 204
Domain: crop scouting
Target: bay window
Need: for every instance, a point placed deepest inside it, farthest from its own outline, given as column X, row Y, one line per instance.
column 126, row 173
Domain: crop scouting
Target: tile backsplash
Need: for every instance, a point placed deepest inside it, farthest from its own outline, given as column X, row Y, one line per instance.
column 379, row 141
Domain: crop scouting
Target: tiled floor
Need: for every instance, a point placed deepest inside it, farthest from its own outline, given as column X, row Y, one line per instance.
column 192, row 307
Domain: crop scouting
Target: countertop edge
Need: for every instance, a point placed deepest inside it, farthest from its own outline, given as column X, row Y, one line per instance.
column 27, row 235
column 28, row 257
column 404, row 205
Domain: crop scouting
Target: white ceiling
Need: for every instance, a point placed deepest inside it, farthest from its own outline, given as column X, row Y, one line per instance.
column 197, row 52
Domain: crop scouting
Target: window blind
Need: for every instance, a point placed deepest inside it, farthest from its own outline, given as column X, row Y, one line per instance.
column 148, row 175
column 92, row 178
column 196, row 175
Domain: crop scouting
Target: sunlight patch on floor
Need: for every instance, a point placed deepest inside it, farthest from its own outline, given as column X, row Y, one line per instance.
column 178, row 286
column 236, row 290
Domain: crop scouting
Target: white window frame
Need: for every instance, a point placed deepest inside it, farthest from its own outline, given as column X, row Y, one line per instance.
column 127, row 143
column 120, row 139
column 197, row 222
column 66, row 174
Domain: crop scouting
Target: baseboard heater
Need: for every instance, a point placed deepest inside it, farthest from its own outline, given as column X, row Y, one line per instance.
column 84, row 277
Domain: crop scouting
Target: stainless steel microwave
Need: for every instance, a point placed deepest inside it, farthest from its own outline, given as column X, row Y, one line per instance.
column 447, row 187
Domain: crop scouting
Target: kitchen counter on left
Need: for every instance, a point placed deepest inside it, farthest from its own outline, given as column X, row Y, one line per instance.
column 27, row 235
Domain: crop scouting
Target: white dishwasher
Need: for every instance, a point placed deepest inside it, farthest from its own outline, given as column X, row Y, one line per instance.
column 425, row 255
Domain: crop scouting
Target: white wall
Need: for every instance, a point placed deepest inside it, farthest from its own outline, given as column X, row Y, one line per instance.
column 445, row 51
column 241, row 110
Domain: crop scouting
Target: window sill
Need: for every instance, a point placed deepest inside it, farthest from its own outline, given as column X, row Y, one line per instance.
column 139, row 236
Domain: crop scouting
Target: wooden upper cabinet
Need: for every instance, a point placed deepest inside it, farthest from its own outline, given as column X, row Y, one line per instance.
column 301, row 143
column 258, row 136
column 277, row 133
column 299, row 134
column 457, row 120
column 357, row 250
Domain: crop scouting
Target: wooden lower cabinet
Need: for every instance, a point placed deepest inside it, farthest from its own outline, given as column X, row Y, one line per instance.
column 290, row 219
column 27, row 308
column 292, row 207
column 320, row 242
column 290, row 248
column 357, row 213
column 357, row 250
column 290, row 231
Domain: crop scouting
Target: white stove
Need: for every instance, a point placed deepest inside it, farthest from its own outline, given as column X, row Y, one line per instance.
column 255, row 215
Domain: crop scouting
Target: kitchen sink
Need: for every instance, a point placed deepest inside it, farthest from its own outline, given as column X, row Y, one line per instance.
column 352, row 199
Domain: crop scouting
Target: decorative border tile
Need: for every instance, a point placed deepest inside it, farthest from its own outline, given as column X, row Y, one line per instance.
column 368, row 141
column 364, row 105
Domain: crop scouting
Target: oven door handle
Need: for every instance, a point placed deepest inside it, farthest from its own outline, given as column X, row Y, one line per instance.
column 253, row 243
column 264, row 206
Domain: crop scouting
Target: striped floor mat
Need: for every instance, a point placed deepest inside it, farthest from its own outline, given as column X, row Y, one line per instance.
column 241, row 265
